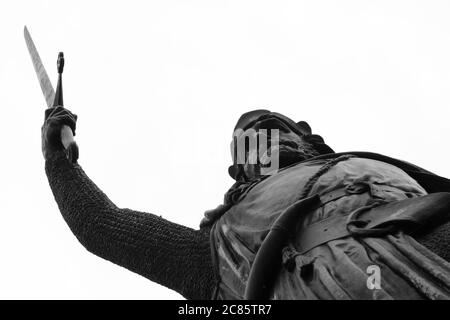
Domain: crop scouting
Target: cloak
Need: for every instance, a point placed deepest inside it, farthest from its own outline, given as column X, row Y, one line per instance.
column 340, row 268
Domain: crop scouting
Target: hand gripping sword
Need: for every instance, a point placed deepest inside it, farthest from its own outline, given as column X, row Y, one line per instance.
column 53, row 99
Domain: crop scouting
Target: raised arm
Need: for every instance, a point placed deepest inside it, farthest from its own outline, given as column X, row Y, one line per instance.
column 164, row 252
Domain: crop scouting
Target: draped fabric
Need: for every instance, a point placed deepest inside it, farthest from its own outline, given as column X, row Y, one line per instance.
column 340, row 270
column 337, row 269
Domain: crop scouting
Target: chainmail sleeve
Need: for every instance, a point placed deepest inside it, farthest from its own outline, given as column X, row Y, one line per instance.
column 164, row 252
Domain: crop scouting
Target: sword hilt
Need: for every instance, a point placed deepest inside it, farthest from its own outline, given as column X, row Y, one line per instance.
column 66, row 132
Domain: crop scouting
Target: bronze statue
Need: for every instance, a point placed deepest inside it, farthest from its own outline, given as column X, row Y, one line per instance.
column 320, row 225
column 327, row 251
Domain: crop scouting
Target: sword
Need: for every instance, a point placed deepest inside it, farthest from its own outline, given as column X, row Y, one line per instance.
column 52, row 99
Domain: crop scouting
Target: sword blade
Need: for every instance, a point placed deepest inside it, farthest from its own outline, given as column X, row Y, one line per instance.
column 44, row 80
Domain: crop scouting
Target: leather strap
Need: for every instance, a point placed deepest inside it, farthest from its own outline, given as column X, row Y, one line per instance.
column 376, row 219
column 411, row 213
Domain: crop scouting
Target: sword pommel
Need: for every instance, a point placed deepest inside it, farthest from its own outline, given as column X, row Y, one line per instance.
column 59, row 92
column 60, row 62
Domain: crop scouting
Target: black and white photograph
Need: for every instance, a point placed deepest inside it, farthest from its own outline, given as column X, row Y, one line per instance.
column 225, row 150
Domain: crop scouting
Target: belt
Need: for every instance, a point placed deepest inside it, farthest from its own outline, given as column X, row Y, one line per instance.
column 375, row 191
column 376, row 219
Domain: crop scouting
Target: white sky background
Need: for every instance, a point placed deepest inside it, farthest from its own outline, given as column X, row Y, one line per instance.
column 158, row 87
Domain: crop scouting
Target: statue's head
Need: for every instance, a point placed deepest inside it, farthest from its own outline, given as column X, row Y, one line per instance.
column 264, row 142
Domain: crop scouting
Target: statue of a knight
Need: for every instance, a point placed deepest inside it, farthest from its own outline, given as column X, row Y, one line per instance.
column 322, row 225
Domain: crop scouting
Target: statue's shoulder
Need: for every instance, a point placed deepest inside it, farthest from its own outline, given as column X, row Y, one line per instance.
column 427, row 179
column 290, row 180
column 402, row 164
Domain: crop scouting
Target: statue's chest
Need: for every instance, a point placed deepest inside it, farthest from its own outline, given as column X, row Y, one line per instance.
column 252, row 217
column 239, row 233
